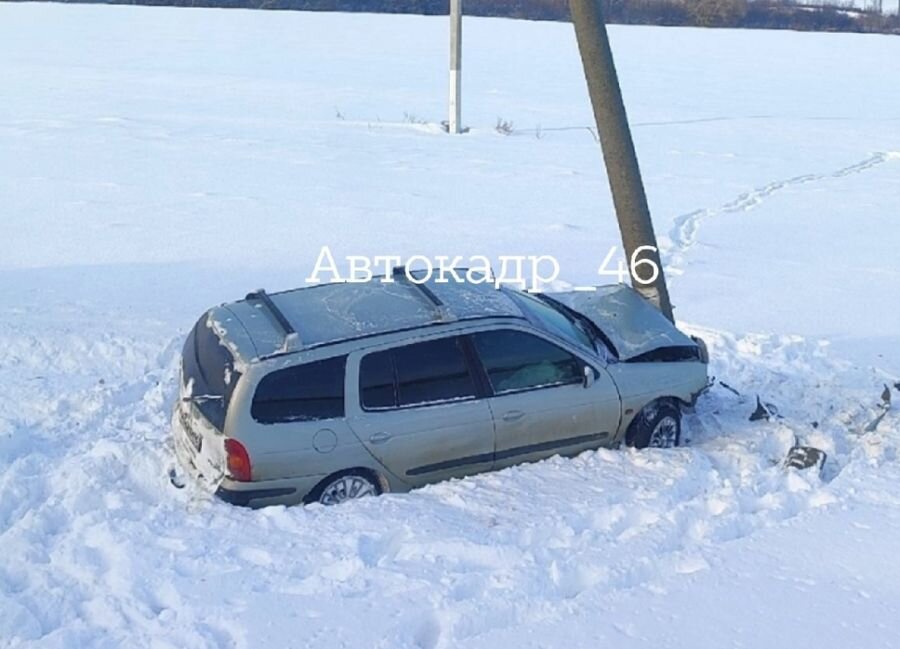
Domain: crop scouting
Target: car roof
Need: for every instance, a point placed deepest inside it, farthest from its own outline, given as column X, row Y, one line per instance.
column 325, row 314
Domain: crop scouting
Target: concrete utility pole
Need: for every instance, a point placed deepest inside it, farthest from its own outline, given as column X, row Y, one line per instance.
column 455, row 66
column 622, row 168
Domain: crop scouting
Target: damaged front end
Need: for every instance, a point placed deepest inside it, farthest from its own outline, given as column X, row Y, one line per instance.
column 633, row 327
column 655, row 359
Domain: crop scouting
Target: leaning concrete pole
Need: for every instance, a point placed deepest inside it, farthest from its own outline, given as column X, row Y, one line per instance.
column 455, row 65
column 622, row 168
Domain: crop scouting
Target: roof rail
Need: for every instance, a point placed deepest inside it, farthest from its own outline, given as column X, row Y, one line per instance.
column 400, row 272
column 291, row 337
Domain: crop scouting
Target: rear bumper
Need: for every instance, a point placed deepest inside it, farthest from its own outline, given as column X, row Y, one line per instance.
column 206, row 473
column 255, row 497
column 263, row 493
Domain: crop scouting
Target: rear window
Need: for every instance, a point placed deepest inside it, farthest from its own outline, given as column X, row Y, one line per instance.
column 418, row 374
column 308, row 392
column 208, row 366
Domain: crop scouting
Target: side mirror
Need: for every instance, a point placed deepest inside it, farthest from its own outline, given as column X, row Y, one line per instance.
column 588, row 376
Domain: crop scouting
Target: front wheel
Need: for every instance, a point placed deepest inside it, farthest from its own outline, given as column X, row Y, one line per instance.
column 658, row 425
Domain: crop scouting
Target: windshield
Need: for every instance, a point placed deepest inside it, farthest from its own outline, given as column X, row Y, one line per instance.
column 555, row 321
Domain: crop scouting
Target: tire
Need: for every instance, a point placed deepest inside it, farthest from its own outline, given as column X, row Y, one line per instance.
column 658, row 425
column 346, row 485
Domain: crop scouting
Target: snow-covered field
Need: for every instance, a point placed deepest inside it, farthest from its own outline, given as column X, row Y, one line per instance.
column 154, row 162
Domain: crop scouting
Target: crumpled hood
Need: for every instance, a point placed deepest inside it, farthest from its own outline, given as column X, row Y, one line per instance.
column 632, row 324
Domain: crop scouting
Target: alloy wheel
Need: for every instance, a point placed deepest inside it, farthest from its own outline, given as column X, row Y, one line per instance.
column 665, row 433
column 347, row 487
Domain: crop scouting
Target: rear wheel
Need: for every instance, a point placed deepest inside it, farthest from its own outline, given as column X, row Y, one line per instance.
column 658, row 425
column 349, row 485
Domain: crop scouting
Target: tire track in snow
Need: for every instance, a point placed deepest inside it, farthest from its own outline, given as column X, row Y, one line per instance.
column 683, row 235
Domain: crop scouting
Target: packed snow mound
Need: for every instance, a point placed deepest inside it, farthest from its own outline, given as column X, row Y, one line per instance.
column 188, row 156
column 99, row 547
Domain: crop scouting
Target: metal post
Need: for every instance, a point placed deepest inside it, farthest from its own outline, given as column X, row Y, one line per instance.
column 622, row 168
column 455, row 66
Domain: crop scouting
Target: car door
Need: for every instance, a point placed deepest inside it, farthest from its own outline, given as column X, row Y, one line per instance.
column 542, row 404
column 295, row 425
column 421, row 412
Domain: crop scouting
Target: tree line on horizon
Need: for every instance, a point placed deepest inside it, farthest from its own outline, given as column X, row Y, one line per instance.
column 752, row 14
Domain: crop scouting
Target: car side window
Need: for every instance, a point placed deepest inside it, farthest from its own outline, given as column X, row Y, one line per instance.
column 307, row 392
column 419, row 374
column 435, row 370
column 376, row 381
column 516, row 360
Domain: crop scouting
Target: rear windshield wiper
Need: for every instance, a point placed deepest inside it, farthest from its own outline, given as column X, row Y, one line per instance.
column 203, row 398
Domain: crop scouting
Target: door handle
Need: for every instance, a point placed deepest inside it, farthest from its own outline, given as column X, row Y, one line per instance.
column 513, row 415
column 379, row 438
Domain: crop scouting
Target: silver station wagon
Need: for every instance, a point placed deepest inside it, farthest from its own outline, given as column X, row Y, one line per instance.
column 339, row 391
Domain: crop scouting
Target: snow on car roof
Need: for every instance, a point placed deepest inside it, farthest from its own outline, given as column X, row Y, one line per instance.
column 333, row 312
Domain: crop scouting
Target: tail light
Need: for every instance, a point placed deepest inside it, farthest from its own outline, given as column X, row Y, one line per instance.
column 238, row 461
